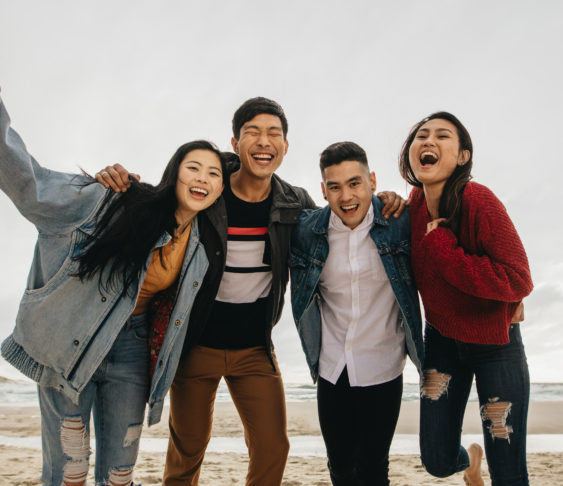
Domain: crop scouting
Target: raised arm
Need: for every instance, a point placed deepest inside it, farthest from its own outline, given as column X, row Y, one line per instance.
column 53, row 201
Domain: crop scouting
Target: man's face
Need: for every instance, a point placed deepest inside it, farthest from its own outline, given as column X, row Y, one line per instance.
column 261, row 146
column 348, row 188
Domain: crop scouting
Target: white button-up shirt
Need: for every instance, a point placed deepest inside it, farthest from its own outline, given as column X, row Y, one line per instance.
column 360, row 315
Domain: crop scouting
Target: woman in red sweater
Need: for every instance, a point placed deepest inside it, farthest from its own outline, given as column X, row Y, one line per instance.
column 472, row 273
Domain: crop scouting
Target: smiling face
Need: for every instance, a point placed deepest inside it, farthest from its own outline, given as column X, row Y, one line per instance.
column 435, row 153
column 261, row 146
column 348, row 187
column 199, row 183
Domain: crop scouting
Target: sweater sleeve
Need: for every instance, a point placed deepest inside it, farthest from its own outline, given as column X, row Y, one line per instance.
column 499, row 271
column 53, row 201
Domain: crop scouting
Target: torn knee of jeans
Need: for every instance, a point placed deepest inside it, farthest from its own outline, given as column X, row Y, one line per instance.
column 434, row 384
column 76, row 447
column 121, row 476
column 133, row 434
column 496, row 412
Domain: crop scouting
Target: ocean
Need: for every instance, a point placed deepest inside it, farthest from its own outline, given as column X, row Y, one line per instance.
column 19, row 392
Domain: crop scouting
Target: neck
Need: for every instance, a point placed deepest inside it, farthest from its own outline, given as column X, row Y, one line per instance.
column 183, row 219
column 432, row 194
column 249, row 188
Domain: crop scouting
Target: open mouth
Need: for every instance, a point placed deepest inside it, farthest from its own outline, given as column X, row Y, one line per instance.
column 428, row 158
column 349, row 208
column 262, row 158
column 198, row 192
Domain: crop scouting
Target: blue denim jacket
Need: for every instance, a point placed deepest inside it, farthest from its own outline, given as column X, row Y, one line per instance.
column 64, row 327
column 309, row 251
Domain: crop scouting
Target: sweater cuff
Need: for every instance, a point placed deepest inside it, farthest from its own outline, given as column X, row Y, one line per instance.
column 439, row 238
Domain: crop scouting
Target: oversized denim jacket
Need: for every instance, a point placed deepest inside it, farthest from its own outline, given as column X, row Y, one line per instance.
column 64, row 327
column 309, row 251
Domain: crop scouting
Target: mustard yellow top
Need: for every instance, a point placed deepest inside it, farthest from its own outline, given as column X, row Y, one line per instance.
column 161, row 277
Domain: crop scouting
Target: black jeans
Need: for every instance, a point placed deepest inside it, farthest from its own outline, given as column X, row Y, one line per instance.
column 358, row 424
column 503, row 387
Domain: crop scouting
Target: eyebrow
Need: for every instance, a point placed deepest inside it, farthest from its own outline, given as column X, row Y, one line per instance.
column 256, row 127
column 201, row 165
column 352, row 179
column 437, row 129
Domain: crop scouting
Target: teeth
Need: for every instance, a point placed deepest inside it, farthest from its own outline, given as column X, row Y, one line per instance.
column 347, row 208
column 428, row 157
column 201, row 191
column 262, row 156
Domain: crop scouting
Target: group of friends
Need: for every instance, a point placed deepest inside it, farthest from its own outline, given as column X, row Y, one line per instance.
column 137, row 289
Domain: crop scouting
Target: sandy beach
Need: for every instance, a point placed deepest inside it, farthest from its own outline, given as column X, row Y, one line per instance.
column 21, row 466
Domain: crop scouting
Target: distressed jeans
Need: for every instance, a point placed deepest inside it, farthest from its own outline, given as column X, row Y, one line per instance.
column 115, row 396
column 503, row 387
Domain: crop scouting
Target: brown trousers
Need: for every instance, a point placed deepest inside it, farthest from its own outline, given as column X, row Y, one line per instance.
column 257, row 392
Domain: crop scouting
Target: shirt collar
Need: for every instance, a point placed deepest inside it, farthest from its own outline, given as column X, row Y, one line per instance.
column 336, row 224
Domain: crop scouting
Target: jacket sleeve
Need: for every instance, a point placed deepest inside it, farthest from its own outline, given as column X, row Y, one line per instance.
column 500, row 271
column 306, row 200
column 53, row 201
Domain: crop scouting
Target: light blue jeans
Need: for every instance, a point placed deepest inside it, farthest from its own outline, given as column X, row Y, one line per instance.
column 116, row 398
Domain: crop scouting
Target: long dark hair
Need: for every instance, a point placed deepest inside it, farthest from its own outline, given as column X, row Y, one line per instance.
column 452, row 195
column 129, row 224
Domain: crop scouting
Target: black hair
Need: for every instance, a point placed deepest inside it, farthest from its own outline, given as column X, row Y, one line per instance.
column 339, row 152
column 257, row 106
column 129, row 224
column 452, row 194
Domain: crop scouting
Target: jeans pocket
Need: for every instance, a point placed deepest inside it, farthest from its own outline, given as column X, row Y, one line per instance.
column 139, row 327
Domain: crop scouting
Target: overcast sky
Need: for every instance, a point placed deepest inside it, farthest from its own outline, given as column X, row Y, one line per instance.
column 94, row 82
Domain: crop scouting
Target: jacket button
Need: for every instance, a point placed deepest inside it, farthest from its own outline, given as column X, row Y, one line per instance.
column 61, row 387
column 218, row 253
column 103, row 299
column 76, row 342
column 160, row 363
column 177, row 323
column 196, row 284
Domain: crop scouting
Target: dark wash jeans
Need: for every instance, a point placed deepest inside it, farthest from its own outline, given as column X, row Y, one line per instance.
column 358, row 424
column 501, row 375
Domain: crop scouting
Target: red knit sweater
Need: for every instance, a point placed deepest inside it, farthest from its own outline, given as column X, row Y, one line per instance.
column 471, row 286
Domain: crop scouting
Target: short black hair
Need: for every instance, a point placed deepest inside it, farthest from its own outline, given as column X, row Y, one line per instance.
column 340, row 151
column 257, row 106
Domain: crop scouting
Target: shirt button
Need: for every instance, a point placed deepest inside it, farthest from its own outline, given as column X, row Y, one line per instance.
column 76, row 342
column 218, row 253
column 177, row 323
column 103, row 298
column 196, row 284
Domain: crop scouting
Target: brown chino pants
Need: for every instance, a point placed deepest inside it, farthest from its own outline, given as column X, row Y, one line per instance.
column 257, row 392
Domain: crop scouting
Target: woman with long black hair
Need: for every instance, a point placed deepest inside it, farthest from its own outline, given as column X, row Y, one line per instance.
column 472, row 274
column 82, row 330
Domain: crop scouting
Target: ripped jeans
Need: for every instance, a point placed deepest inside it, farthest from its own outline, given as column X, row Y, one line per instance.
column 116, row 397
column 503, row 387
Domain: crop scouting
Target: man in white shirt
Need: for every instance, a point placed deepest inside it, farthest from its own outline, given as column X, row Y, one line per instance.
column 357, row 313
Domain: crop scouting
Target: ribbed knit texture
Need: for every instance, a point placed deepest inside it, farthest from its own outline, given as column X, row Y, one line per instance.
column 470, row 288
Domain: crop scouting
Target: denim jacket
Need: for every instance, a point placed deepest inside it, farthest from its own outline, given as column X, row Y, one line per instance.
column 309, row 251
column 64, row 327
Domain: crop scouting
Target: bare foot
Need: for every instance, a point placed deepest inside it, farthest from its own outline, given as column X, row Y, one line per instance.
column 472, row 475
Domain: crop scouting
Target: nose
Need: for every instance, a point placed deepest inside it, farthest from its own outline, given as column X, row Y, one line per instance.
column 429, row 141
column 263, row 140
column 201, row 177
column 346, row 194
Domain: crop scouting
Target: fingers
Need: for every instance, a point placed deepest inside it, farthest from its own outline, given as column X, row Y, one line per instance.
column 434, row 224
column 518, row 314
column 393, row 204
column 116, row 177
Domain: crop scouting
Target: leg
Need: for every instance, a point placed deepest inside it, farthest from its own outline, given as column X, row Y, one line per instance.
column 192, row 398
column 119, row 408
column 336, row 418
column 65, row 436
column 444, row 393
column 503, row 385
column 257, row 391
column 377, row 409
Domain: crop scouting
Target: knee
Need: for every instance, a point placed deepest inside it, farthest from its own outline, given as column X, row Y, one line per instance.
column 434, row 384
column 440, row 465
column 122, row 476
column 494, row 415
column 76, row 447
column 275, row 449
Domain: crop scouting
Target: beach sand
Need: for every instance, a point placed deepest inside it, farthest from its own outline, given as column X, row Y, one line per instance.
column 22, row 466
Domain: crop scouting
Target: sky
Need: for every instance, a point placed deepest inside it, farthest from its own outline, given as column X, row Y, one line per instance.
column 90, row 83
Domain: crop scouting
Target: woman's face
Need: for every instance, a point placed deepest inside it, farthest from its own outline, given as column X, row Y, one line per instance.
column 434, row 153
column 199, row 184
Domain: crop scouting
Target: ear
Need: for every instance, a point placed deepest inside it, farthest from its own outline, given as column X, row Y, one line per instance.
column 372, row 181
column 286, row 147
column 323, row 188
column 464, row 157
column 234, row 144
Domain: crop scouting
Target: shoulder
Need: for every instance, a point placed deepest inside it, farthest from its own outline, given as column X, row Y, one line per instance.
column 478, row 196
column 292, row 193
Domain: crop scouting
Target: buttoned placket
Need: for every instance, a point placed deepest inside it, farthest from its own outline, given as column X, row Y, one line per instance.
column 355, row 288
